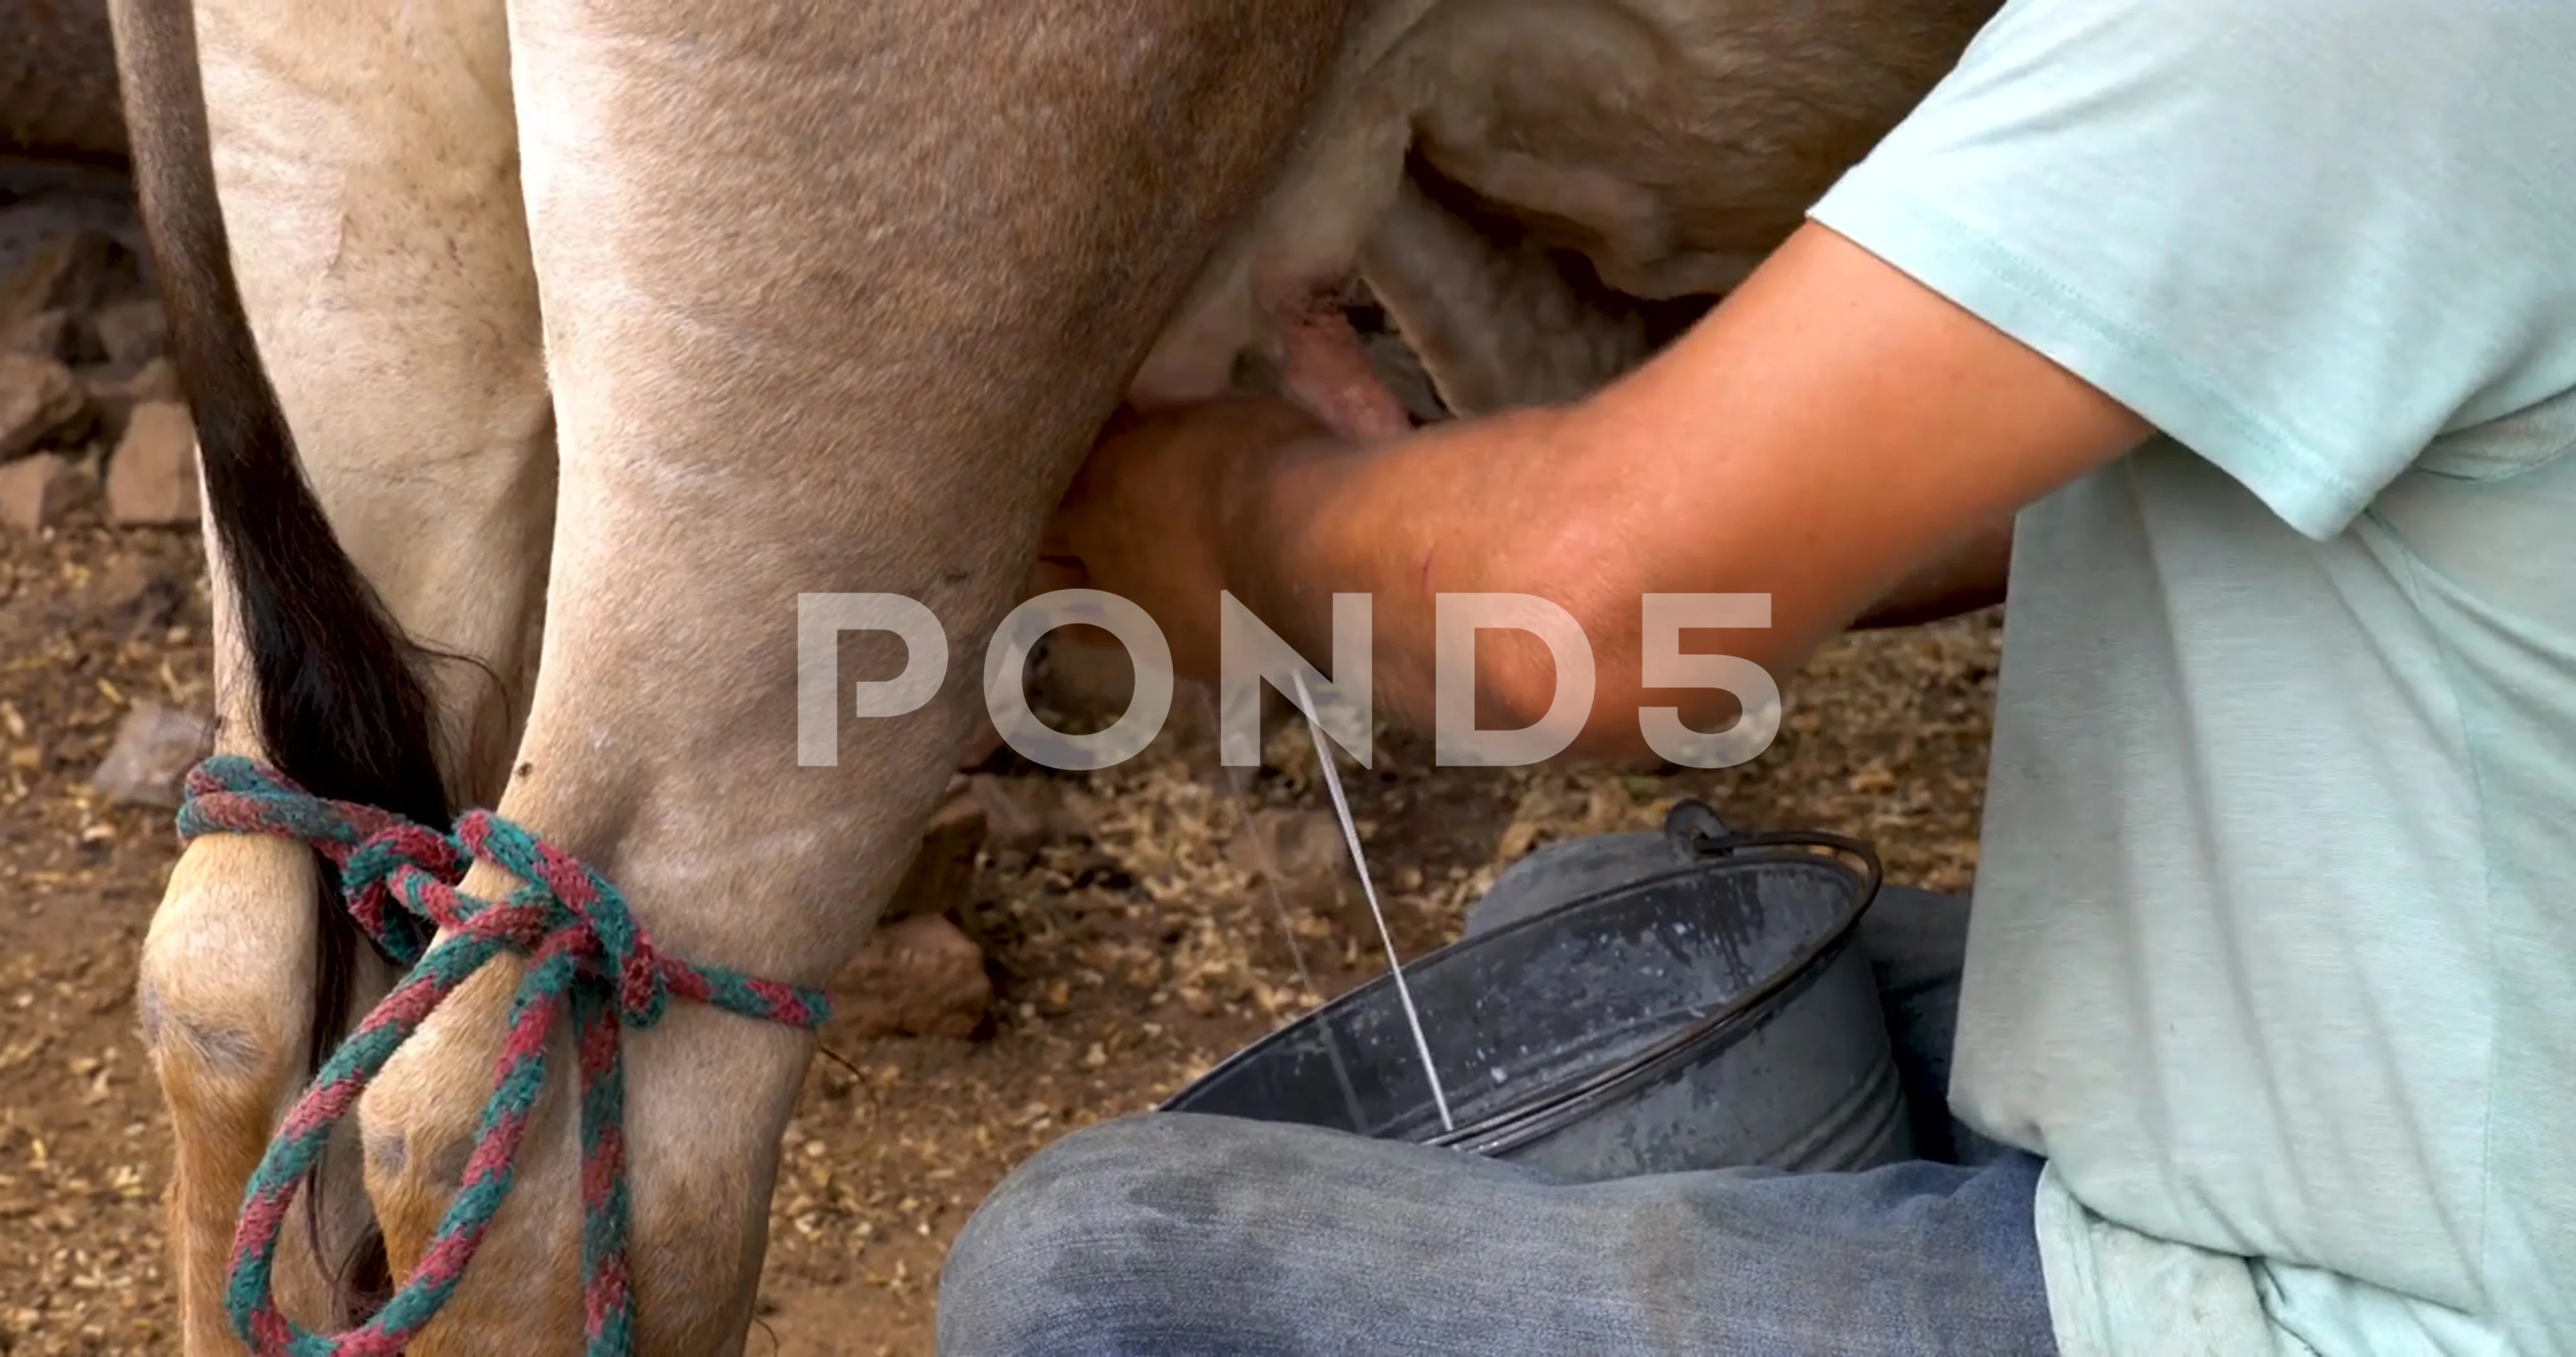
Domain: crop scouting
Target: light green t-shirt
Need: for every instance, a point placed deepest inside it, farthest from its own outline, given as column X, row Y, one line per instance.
column 2274, row 943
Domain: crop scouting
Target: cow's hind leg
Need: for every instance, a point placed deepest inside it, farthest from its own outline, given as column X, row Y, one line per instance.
column 366, row 157
column 879, row 380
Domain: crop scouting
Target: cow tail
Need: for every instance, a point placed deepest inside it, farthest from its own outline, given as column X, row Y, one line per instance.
column 341, row 703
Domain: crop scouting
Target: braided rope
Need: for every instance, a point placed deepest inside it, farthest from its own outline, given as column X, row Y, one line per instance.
column 399, row 880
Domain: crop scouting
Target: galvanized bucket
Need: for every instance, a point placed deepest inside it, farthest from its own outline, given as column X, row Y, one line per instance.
column 1696, row 1003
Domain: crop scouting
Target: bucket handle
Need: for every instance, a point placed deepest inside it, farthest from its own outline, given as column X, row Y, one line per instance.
column 1695, row 832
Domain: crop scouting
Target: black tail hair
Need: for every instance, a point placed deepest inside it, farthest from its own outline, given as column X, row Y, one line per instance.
column 341, row 704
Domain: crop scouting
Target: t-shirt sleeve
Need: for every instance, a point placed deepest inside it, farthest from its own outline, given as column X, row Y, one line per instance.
column 2303, row 239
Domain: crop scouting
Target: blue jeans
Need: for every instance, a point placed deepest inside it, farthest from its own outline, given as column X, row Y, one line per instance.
column 1178, row 1234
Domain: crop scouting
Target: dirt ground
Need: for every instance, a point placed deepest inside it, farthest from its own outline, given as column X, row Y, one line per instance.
column 1133, row 953
column 1131, row 950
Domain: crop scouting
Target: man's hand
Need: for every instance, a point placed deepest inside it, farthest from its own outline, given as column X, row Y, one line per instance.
column 1829, row 430
column 1144, row 518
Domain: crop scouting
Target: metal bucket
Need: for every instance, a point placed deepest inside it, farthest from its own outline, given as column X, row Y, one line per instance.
column 1706, row 1011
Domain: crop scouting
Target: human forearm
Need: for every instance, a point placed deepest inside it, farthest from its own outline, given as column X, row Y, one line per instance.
column 1553, row 504
column 1787, row 468
column 1457, row 508
column 1965, row 580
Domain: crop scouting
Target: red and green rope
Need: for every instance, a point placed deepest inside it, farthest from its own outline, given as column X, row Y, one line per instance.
column 399, row 881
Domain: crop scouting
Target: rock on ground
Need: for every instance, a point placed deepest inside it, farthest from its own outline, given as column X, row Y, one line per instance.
column 46, row 334
column 153, row 751
column 919, row 977
column 40, row 402
column 115, row 397
column 35, row 492
column 133, row 333
column 152, row 475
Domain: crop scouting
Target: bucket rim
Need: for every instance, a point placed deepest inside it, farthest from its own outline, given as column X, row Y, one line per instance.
column 1552, row 1108
column 1701, row 841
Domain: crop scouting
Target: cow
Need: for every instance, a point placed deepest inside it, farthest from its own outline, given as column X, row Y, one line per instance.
column 542, row 352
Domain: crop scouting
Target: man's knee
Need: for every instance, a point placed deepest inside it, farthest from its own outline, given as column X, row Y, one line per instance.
column 1005, row 1263
column 1079, row 1243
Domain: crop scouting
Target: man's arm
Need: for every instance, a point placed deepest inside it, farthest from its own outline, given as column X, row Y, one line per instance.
column 1963, row 581
column 1825, row 433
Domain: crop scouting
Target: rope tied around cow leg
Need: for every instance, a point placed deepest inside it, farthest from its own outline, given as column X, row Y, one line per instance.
column 399, row 882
